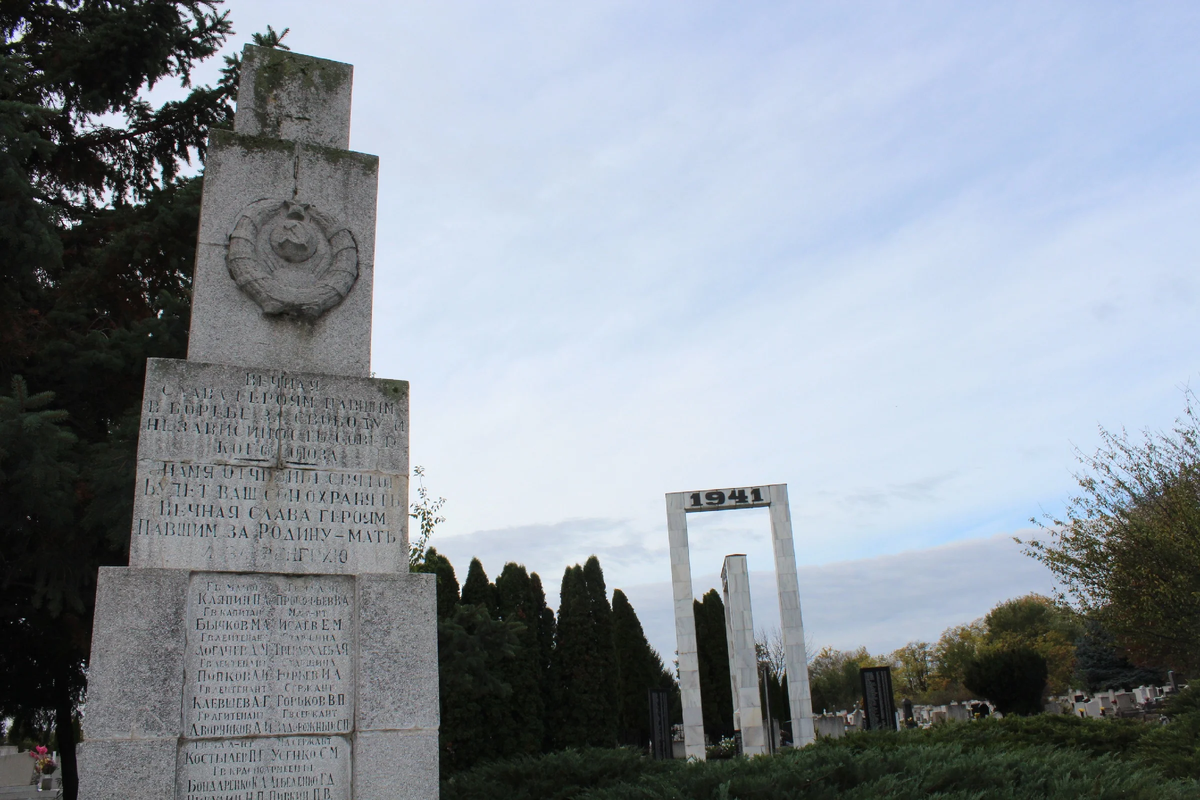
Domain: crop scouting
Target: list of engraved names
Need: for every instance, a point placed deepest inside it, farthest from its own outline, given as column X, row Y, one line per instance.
column 290, row 768
column 269, row 655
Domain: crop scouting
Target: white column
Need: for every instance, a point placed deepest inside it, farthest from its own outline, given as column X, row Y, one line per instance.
column 743, row 661
column 791, row 622
column 685, row 628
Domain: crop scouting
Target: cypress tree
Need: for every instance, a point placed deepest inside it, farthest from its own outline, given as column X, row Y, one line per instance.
column 477, row 590
column 712, row 652
column 475, row 652
column 545, row 626
column 603, row 732
column 639, row 669
column 447, row 583
column 517, row 604
column 574, row 655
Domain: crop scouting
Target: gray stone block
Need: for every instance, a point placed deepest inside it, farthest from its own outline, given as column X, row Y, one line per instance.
column 286, row 95
column 397, row 652
column 127, row 770
column 228, row 326
column 136, row 672
column 396, row 765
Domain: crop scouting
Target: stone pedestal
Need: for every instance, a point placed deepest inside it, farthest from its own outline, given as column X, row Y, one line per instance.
column 267, row 641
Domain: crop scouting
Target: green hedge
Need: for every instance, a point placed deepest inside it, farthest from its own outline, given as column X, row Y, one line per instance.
column 1037, row 757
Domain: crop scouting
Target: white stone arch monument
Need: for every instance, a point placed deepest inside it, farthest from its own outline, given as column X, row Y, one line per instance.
column 775, row 497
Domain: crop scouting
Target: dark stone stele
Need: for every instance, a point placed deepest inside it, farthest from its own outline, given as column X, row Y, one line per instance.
column 660, row 724
column 878, row 702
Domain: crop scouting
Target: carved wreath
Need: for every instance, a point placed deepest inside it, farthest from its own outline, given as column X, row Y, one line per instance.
column 292, row 259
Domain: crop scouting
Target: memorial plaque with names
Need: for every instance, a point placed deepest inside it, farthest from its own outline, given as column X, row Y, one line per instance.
column 269, row 655
column 266, row 768
column 878, row 701
column 245, row 470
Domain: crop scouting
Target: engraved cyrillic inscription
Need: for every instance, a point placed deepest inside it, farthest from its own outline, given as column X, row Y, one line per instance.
column 242, row 470
column 288, row 768
column 269, row 655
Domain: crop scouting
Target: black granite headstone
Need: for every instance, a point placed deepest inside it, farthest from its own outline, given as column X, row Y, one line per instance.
column 660, row 724
column 878, row 702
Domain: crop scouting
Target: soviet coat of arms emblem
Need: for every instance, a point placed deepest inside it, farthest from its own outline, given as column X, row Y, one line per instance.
column 292, row 259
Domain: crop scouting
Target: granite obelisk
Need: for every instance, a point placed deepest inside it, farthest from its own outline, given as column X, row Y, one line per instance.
column 267, row 641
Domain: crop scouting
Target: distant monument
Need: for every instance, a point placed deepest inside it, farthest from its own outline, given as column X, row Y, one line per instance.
column 879, row 702
column 267, row 641
column 739, row 622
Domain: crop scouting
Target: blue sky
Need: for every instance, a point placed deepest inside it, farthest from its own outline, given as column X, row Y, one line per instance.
column 900, row 256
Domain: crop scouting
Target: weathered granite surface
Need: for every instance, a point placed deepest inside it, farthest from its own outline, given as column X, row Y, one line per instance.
column 129, row 769
column 249, row 470
column 397, row 652
column 136, row 667
column 396, row 765
column 286, row 95
column 288, row 147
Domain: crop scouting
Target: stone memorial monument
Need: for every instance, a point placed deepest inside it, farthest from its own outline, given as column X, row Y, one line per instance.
column 267, row 641
column 743, row 658
column 879, row 701
column 775, row 498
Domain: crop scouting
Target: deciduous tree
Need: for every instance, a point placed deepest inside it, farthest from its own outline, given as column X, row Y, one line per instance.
column 1127, row 547
column 1014, row 679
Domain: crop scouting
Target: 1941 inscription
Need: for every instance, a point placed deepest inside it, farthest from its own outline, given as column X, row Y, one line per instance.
column 269, row 655
column 287, row 768
column 241, row 470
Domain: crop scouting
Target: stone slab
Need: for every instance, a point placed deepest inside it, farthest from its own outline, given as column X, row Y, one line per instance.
column 396, row 765
column 136, row 670
column 286, row 95
column 248, row 470
column 16, row 769
column 269, row 655
column 266, row 768
column 227, row 326
column 397, row 652
column 142, row 769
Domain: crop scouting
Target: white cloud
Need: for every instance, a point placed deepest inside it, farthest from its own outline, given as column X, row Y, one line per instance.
column 879, row 603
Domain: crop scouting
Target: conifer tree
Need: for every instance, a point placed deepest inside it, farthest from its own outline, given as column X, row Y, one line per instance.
column 545, row 626
column 604, row 730
column 639, row 669
column 477, row 590
column 524, row 720
column 447, row 583
column 574, row 680
column 475, row 652
column 97, row 239
column 712, row 652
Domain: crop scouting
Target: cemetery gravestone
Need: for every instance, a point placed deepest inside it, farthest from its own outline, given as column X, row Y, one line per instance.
column 267, row 641
column 878, row 701
column 660, row 725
